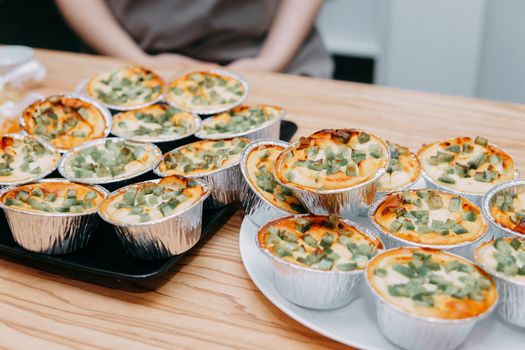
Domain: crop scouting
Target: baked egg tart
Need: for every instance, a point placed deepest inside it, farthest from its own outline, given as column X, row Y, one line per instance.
column 403, row 170
column 66, row 121
column 126, row 87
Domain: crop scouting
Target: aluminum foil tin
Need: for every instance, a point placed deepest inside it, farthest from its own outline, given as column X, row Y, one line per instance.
column 410, row 331
column 315, row 289
column 164, row 237
column 208, row 111
column 51, row 233
column 115, row 182
column 475, row 198
column 496, row 230
column 44, row 143
column 197, row 124
column 105, row 113
column 346, row 202
column 257, row 208
column 464, row 249
column 511, row 306
column 268, row 130
column 81, row 88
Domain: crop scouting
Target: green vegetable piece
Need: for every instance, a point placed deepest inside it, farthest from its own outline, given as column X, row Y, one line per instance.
column 363, row 137
column 454, row 204
column 327, row 240
column 395, row 226
column 482, row 141
column 470, row 216
column 347, row 266
column 446, row 179
column 310, row 241
column 302, row 224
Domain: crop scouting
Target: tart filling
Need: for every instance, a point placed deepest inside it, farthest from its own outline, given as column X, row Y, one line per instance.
column 202, row 156
column 126, row 86
column 260, row 165
column 504, row 255
column 466, row 165
column 318, row 242
column 150, row 201
column 239, row 120
column 332, row 159
column 431, row 283
column 110, row 160
column 430, row 217
column 508, row 210
column 53, row 197
column 65, row 122
column 403, row 169
column 205, row 91
column 24, row 158
column 156, row 122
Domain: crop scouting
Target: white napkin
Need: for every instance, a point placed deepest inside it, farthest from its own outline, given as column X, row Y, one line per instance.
column 24, row 74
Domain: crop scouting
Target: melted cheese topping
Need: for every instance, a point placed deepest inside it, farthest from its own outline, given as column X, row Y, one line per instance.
column 404, row 168
column 149, row 201
column 505, row 256
column 126, row 86
column 332, row 159
column 112, row 159
column 430, row 217
column 54, row 197
column 463, row 165
column 64, row 122
column 158, row 122
column 23, row 158
column 431, row 283
column 202, row 156
column 260, row 165
column 201, row 91
column 318, row 242
column 508, row 210
column 239, row 120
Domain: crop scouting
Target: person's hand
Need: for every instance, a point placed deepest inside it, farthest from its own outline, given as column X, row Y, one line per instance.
column 172, row 60
column 256, row 63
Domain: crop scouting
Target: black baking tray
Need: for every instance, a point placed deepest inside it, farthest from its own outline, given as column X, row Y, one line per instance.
column 104, row 261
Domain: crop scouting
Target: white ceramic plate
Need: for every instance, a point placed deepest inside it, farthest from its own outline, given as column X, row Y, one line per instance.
column 355, row 324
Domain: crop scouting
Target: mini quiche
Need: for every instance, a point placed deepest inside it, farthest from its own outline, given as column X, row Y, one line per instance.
column 505, row 255
column 508, row 210
column 126, row 87
column 24, row 158
column 66, row 121
column 466, row 165
column 431, row 283
column 319, row 242
column 151, row 200
column 332, row 159
column 108, row 160
column 202, row 157
column 239, row 120
column 206, row 92
column 155, row 123
column 427, row 217
column 53, row 197
column 404, row 169
column 260, row 165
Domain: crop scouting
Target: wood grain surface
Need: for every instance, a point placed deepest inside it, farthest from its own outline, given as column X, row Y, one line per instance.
column 210, row 302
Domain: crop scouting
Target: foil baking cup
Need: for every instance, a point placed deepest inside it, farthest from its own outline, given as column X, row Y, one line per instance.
column 103, row 110
column 268, row 130
column 475, row 198
column 117, row 181
column 175, row 137
column 344, row 202
column 257, row 208
column 51, row 233
column 162, row 238
column 81, row 88
column 414, row 332
column 497, row 230
column 311, row 288
column 464, row 249
column 34, row 178
column 208, row 111
column 511, row 292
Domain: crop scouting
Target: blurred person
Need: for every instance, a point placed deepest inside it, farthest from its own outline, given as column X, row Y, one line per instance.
column 265, row 35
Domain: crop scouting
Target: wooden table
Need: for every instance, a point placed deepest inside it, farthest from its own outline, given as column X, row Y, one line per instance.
column 211, row 301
